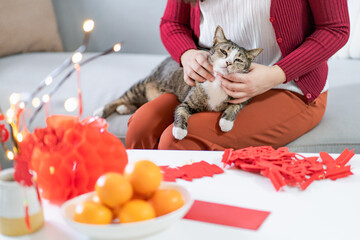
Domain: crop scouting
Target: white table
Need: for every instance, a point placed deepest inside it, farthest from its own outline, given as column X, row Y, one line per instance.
column 325, row 210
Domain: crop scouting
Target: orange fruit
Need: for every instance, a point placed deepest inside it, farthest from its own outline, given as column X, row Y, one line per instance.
column 92, row 213
column 136, row 210
column 145, row 178
column 113, row 189
column 166, row 200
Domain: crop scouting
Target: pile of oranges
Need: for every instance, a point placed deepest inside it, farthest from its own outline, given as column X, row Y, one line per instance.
column 129, row 198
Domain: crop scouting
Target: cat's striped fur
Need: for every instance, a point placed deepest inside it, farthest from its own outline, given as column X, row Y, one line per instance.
column 225, row 56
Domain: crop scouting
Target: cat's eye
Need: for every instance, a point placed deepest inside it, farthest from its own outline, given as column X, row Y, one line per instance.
column 223, row 52
column 238, row 60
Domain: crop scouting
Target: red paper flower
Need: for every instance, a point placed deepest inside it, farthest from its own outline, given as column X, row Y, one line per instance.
column 69, row 156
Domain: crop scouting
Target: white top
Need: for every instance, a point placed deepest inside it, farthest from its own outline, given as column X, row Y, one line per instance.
column 246, row 23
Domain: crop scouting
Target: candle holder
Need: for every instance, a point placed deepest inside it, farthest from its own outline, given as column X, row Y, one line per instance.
column 14, row 197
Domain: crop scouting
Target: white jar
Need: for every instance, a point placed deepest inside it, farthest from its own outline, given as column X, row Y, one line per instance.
column 12, row 206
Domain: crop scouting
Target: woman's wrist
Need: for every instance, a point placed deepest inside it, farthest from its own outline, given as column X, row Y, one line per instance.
column 279, row 74
column 184, row 55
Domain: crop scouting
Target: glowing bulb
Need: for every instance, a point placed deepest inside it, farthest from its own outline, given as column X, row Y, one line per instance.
column 35, row 102
column 48, row 81
column 22, row 105
column 46, row 98
column 19, row 137
column 117, row 47
column 10, row 115
column 71, row 104
column 52, row 170
column 14, row 98
column 88, row 25
column 77, row 57
column 10, row 155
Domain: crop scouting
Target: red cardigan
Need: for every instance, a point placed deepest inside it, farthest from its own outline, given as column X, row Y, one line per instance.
column 308, row 33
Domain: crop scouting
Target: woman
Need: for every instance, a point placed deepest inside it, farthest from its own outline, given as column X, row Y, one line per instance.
column 288, row 84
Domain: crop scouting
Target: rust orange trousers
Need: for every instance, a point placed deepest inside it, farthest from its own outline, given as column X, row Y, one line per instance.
column 274, row 118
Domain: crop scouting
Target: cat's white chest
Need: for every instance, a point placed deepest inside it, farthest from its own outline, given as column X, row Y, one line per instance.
column 215, row 93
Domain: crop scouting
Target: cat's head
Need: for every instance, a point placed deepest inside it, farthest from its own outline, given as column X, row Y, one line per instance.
column 227, row 57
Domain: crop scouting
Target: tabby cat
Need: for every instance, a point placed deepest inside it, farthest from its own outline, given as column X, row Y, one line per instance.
column 225, row 56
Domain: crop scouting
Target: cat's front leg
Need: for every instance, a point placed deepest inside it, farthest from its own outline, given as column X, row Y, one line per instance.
column 226, row 122
column 182, row 113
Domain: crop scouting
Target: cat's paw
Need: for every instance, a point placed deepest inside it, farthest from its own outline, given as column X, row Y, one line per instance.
column 99, row 112
column 179, row 133
column 226, row 125
column 122, row 109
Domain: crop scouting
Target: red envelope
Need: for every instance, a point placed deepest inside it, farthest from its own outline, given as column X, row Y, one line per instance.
column 226, row 215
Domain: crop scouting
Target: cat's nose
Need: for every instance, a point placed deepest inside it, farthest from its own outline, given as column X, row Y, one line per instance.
column 228, row 63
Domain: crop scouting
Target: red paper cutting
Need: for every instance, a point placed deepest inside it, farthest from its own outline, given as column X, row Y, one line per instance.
column 190, row 171
column 226, row 215
column 286, row 168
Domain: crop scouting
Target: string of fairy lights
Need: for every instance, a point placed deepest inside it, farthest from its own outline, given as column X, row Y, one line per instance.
column 15, row 116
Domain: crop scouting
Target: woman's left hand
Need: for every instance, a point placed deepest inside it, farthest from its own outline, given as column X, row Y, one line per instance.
column 259, row 79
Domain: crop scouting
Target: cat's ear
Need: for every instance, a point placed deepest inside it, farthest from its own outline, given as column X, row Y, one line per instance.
column 219, row 36
column 253, row 53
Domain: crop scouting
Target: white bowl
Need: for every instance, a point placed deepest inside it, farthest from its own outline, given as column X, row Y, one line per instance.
column 126, row 230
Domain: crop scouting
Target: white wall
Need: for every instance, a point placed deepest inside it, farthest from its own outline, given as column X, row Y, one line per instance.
column 135, row 23
column 352, row 47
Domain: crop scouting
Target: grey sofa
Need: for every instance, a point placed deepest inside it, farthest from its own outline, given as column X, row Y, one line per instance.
column 109, row 76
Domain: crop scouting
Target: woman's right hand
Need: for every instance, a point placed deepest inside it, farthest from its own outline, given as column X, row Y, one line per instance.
column 196, row 66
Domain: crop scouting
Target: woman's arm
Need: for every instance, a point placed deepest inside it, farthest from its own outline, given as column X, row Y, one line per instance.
column 332, row 29
column 178, row 39
column 175, row 30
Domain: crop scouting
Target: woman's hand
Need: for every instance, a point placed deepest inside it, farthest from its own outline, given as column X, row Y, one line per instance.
column 196, row 66
column 259, row 79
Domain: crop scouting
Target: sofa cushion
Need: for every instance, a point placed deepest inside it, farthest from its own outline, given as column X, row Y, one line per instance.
column 28, row 26
column 102, row 80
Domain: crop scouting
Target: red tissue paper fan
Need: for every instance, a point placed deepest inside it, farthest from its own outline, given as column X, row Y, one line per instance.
column 69, row 155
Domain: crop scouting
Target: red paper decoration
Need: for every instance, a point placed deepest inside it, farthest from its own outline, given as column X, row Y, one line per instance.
column 286, row 168
column 190, row 171
column 69, row 155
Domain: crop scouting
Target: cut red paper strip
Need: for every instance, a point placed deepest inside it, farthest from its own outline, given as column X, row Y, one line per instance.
column 345, row 157
column 190, row 171
column 226, row 215
column 286, row 168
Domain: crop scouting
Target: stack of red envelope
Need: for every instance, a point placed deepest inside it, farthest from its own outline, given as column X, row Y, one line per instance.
column 190, row 171
column 286, row 168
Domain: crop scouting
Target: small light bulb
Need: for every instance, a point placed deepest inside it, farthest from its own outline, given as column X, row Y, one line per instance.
column 14, row 98
column 10, row 155
column 36, row 102
column 19, row 137
column 71, row 104
column 88, row 25
column 10, row 114
column 45, row 98
column 22, row 105
column 117, row 47
column 48, row 81
column 77, row 57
